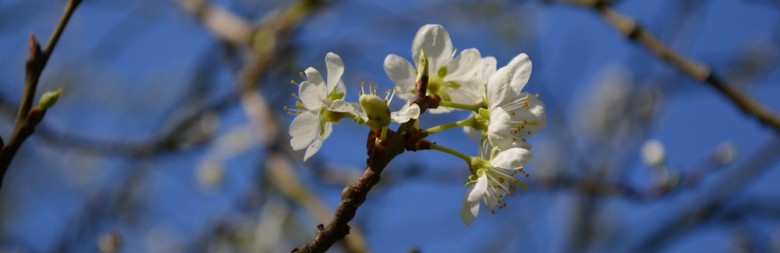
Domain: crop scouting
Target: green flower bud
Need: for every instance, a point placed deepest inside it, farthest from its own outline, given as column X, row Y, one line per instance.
column 376, row 109
column 48, row 99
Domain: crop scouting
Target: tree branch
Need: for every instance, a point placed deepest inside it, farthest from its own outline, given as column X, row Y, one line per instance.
column 27, row 118
column 380, row 153
column 634, row 32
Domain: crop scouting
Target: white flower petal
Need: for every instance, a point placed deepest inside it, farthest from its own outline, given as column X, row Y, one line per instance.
column 487, row 68
column 317, row 144
column 312, row 95
column 436, row 42
column 314, row 76
column 304, row 129
column 341, row 105
column 498, row 87
column 406, row 113
column 465, row 66
column 470, row 208
column 533, row 113
column 403, row 75
column 500, row 130
column 335, row 68
column 511, row 159
column 471, row 133
column 341, row 88
column 468, row 93
column 520, row 68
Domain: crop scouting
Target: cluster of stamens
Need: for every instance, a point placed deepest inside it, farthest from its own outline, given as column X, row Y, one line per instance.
column 299, row 107
column 373, row 90
column 502, row 183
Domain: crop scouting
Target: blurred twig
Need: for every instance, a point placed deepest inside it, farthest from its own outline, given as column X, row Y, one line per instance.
column 265, row 42
column 27, row 118
column 712, row 200
column 635, row 32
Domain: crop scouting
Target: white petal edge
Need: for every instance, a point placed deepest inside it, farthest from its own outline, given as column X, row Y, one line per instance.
column 335, row 67
column 488, row 67
column 406, row 113
column 304, row 129
column 500, row 129
column 341, row 105
column 402, row 74
column 498, row 87
column 465, row 66
column 317, row 144
column 470, row 208
column 314, row 76
column 511, row 159
column 520, row 67
column 435, row 41
column 312, row 95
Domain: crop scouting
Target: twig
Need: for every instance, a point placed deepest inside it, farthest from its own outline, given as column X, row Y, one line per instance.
column 712, row 200
column 634, row 32
column 27, row 119
column 379, row 155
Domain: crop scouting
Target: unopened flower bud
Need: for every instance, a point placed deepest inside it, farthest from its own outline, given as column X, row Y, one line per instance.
column 376, row 109
column 48, row 99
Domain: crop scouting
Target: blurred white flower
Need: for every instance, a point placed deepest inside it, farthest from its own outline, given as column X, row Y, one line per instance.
column 726, row 152
column 653, row 153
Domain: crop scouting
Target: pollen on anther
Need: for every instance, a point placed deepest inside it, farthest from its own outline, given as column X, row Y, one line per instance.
column 301, row 74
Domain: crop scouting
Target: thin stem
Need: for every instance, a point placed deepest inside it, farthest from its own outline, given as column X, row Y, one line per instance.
column 435, row 129
column 450, row 151
column 474, row 107
column 39, row 59
column 26, row 121
column 383, row 136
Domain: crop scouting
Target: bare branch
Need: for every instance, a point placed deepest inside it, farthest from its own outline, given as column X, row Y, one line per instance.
column 634, row 32
column 27, row 119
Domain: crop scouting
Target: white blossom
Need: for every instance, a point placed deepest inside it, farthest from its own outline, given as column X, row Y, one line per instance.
column 455, row 79
column 493, row 179
column 321, row 104
column 513, row 114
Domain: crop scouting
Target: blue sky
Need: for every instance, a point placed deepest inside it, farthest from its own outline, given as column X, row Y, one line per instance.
column 128, row 67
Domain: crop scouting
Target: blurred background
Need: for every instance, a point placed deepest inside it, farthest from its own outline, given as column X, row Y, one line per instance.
column 170, row 134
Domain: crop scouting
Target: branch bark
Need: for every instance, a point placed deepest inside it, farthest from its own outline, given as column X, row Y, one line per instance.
column 634, row 32
column 27, row 118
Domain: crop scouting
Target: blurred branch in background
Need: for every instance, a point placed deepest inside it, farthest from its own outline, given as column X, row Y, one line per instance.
column 27, row 117
column 635, row 32
column 713, row 201
column 268, row 40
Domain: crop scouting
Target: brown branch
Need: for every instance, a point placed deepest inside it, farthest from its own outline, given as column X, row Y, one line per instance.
column 380, row 153
column 27, row 119
column 634, row 32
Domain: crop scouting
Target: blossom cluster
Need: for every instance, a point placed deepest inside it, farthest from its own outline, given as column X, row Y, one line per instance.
column 503, row 115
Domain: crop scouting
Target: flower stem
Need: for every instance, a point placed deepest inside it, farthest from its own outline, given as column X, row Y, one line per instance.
column 466, row 122
column 450, row 151
column 474, row 107
column 383, row 136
